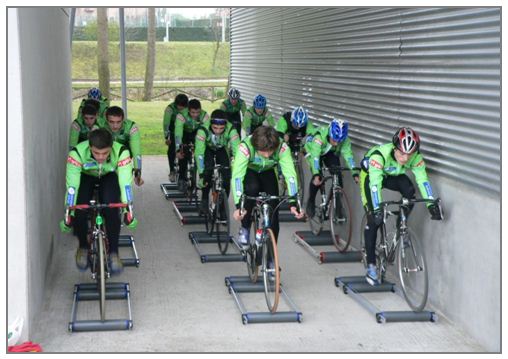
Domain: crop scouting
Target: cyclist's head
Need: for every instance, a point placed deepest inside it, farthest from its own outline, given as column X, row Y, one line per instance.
column 181, row 101
column 299, row 117
column 89, row 114
column 114, row 117
column 259, row 103
column 218, row 122
column 234, row 95
column 338, row 130
column 95, row 93
column 100, row 141
column 265, row 140
column 92, row 102
column 194, row 108
column 406, row 140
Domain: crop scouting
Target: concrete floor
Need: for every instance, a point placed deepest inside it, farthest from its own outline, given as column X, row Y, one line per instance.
column 182, row 305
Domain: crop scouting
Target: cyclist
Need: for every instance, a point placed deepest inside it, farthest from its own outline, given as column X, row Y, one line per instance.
column 83, row 124
column 126, row 132
column 235, row 109
column 256, row 115
column 212, row 140
column 384, row 166
column 295, row 126
column 328, row 143
column 95, row 94
column 98, row 161
column 254, row 171
column 186, row 126
column 168, row 125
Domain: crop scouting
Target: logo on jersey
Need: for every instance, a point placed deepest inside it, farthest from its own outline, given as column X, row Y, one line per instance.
column 73, row 161
column 428, row 189
column 316, row 163
column 239, row 189
column 375, row 196
column 375, row 164
column 128, row 192
column 124, row 162
column 390, row 169
column 199, row 137
column 244, row 150
column 134, row 130
column 292, row 186
column 283, row 148
column 76, row 126
column 89, row 165
column 318, row 141
column 70, row 196
column 421, row 163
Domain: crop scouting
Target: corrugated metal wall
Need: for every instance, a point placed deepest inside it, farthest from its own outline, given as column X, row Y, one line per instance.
column 434, row 69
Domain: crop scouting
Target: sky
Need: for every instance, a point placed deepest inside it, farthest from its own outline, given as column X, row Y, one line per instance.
column 192, row 13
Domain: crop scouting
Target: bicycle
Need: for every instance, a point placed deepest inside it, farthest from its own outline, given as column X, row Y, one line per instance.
column 98, row 247
column 262, row 249
column 403, row 243
column 334, row 208
column 189, row 189
column 217, row 214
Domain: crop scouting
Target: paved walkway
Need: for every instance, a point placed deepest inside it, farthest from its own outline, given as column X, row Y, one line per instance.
column 182, row 305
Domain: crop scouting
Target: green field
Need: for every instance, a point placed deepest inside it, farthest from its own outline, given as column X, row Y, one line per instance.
column 148, row 116
column 173, row 61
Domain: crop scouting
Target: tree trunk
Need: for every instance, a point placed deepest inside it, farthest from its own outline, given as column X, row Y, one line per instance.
column 150, row 56
column 102, row 53
column 216, row 31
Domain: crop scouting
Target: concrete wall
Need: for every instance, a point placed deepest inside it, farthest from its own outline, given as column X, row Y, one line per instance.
column 40, row 128
column 463, row 254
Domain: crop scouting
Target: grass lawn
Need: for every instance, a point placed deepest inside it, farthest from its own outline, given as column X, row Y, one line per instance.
column 173, row 60
column 148, row 116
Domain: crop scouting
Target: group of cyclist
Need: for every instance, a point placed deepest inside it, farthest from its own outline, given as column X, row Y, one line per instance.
column 105, row 149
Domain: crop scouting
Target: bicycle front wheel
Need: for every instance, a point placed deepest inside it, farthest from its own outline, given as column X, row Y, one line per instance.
column 210, row 212
column 101, row 276
column 270, row 270
column 222, row 216
column 340, row 220
column 412, row 269
column 253, row 254
column 301, row 177
column 363, row 251
column 317, row 220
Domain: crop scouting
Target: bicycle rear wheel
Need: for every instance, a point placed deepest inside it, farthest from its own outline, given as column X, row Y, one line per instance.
column 210, row 212
column 316, row 221
column 101, row 276
column 412, row 269
column 253, row 254
column 340, row 220
column 270, row 270
column 222, row 223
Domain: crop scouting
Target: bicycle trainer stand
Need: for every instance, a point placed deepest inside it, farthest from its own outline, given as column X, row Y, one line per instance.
column 356, row 285
column 188, row 213
column 243, row 284
column 307, row 240
column 88, row 292
column 170, row 190
column 198, row 238
column 127, row 241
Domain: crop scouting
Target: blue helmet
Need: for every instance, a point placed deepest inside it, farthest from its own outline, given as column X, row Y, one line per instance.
column 299, row 117
column 259, row 102
column 95, row 93
column 233, row 94
column 338, row 130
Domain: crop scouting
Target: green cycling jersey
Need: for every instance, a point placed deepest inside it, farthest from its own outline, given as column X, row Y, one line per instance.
column 168, row 122
column 79, row 130
column 320, row 146
column 80, row 161
column 184, row 122
column 252, row 119
column 228, row 107
column 129, row 136
column 248, row 157
column 382, row 163
column 205, row 138
column 103, row 106
column 284, row 127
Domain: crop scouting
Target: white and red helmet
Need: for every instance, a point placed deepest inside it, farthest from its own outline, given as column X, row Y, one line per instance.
column 406, row 140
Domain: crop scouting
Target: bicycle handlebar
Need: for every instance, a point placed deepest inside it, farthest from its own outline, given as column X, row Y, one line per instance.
column 98, row 206
column 263, row 197
column 341, row 168
column 405, row 201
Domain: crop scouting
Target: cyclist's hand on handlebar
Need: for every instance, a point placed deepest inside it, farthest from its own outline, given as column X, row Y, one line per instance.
column 129, row 220
column 294, row 211
column 137, row 177
column 377, row 217
column 238, row 214
column 435, row 212
column 356, row 178
column 316, row 180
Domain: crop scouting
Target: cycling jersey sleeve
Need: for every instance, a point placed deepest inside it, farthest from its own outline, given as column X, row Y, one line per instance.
column 419, row 169
column 347, row 153
column 240, row 164
column 246, row 123
column 72, row 177
column 166, row 122
column 234, row 141
column 179, row 122
column 74, row 134
column 269, row 119
column 124, row 172
column 376, row 164
column 135, row 146
column 223, row 106
column 282, row 126
column 199, row 150
column 288, row 169
column 313, row 156
column 243, row 108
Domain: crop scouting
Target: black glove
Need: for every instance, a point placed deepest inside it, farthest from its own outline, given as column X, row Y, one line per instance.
column 137, row 173
column 377, row 217
column 435, row 212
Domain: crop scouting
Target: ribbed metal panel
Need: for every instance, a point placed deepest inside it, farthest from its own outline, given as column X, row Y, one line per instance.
column 434, row 69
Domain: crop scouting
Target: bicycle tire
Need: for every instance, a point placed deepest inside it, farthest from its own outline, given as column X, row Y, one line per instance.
column 210, row 212
column 301, row 177
column 412, row 269
column 272, row 290
column 101, row 277
column 341, row 223
column 363, row 251
column 253, row 253
column 316, row 221
column 222, row 241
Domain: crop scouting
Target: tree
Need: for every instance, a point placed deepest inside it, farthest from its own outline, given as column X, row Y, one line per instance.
column 150, row 56
column 102, row 53
column 217, row 31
